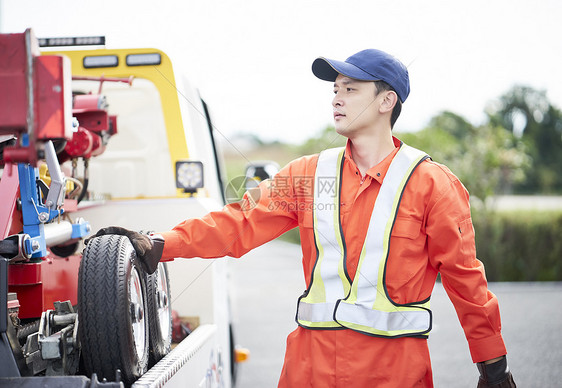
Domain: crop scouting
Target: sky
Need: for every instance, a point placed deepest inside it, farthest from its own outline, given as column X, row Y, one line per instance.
column 251, row 59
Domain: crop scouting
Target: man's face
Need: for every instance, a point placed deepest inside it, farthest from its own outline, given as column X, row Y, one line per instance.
column 355, row 105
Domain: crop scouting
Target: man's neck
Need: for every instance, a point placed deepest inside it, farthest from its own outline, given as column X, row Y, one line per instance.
column 370, row 150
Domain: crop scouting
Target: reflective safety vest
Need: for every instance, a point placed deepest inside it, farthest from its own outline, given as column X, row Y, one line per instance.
column 332, row 301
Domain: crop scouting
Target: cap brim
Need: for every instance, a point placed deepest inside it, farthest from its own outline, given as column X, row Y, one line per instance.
column 328, row 70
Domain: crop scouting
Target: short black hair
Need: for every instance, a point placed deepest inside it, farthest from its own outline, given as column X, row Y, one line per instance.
column 382, row 86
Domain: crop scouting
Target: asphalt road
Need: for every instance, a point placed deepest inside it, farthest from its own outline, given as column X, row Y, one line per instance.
column 266, row 282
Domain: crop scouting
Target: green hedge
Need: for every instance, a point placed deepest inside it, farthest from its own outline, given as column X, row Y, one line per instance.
column 514, row 246
column 520, row 246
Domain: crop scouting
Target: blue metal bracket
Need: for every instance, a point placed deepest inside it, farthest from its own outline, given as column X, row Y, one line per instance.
column 35, row 213
column 81, row 229
column 38, row 210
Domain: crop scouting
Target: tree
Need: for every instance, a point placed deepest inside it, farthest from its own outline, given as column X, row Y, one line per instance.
column 487, row 159
column 490, row 162
column 528, row 114
column 454, row 124
column 328, row 138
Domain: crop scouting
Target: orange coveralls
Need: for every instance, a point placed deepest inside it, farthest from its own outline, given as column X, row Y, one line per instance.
column 435, row 234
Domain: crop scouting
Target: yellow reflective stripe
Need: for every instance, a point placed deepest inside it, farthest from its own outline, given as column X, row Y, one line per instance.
column 337, row 225
column 353, row 294
column 317, row 292
column 327, row 228
column 383, row 303
column 320, row 325
column 326, row 284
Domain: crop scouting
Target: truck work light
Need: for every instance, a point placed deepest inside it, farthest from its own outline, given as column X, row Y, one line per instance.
column 72, row 41
column 189, row 175
column 100, row 61
column 143, row 59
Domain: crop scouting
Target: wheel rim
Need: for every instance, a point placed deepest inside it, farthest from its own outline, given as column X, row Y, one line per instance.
column 163, row 303
column 137, row 313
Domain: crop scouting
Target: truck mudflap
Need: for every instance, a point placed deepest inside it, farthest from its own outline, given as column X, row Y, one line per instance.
column 182, row 367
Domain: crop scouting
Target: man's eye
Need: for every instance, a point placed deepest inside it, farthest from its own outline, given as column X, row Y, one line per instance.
column 349, row 89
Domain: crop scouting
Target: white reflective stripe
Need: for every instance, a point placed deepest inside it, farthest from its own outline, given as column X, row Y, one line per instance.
column 326, row 210
column 381, row 221
column 316, row 312
column 411, row 320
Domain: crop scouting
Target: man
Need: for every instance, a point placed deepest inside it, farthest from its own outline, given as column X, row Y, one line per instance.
column 378, row 221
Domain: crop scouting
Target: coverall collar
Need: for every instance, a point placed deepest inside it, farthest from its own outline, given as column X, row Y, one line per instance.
column 377, row 172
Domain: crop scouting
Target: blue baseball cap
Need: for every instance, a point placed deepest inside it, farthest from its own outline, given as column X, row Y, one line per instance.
column 367, row 65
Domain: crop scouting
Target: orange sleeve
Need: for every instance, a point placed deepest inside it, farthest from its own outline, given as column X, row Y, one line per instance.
column 452, row 251
column 264, row 213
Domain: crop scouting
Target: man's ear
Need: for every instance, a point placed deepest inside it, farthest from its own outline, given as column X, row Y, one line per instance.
column 388, row 102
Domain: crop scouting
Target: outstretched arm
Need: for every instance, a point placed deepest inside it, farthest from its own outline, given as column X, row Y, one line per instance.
column 235, row 230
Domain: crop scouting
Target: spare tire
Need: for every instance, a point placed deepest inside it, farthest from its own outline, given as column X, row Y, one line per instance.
column 113, row 328
column 159, row 308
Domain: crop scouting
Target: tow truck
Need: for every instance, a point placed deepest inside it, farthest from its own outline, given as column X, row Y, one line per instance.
column 93, row 137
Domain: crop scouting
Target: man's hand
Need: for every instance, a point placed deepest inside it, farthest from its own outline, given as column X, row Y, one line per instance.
column 495, row 375
column 148, row 248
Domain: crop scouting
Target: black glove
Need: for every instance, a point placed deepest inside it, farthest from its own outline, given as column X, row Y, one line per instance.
column 149, row 248
column 495, row 375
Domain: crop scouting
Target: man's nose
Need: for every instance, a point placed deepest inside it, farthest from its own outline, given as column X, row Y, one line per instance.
column 337, row 101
